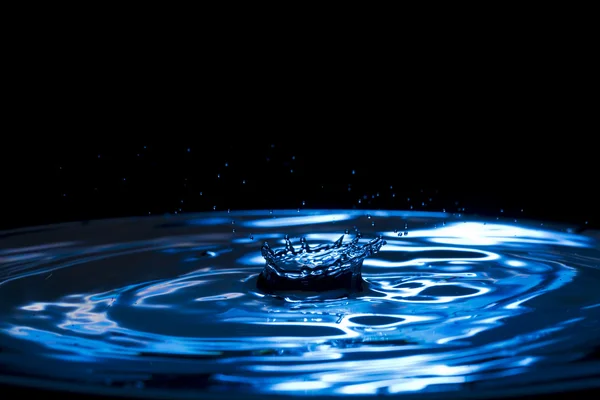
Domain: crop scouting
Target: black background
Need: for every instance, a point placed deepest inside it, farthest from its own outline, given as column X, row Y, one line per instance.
column 181, row 169
column 99, row 126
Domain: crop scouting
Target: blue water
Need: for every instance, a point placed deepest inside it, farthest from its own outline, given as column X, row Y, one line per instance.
column 169, row 306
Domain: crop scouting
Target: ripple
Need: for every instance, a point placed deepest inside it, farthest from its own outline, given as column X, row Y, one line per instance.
column 473, row 304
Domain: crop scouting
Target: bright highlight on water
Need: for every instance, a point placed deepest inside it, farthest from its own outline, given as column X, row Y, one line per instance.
column 183, row 306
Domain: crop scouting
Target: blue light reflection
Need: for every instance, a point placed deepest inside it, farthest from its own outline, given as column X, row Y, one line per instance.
column 451, row 304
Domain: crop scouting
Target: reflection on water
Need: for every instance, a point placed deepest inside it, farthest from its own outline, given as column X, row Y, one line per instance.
column 151, row 304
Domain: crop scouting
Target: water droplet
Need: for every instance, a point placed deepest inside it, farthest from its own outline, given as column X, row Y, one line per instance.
column 228, row 211
column 405, row 226
column 233, row 230
column 443, row 210
column 303, row 202
column 244, row 182
column 369, row 216
column 501, row 210
column 251, row 237
column 405, row 233
column 293, row 157
column 218, row 175
column 200, row 193
column 399, row 233
column 232, row 222
column 226, row 164
column 395, row 230
column 188, row 150
column 359, row 201
column 353, row 172
column 270, row 211
column 346, row 231
column 214, row 208
column 291, row 171
column 373, row 223
column 298, row 210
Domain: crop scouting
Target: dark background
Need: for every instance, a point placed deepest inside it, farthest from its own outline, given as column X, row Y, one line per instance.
column 89, row 176
column 101, row 126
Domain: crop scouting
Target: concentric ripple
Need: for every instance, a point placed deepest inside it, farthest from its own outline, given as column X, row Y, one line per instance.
column 169, row 305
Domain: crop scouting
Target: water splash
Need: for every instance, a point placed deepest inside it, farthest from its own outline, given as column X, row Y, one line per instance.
column 335, row 267
column 169, row 307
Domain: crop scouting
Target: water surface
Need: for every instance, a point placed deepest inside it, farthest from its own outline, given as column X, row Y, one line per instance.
column 169, row 307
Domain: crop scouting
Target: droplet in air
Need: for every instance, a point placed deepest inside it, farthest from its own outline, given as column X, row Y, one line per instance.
column 214, row 208
column 353, row 172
